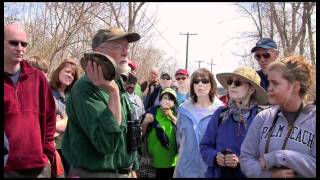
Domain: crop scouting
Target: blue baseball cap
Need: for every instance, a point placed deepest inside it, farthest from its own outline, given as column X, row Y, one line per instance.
column 265, row 43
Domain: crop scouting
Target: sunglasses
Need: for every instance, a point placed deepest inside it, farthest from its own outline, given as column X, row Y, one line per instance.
column 165, row 78
column 181, row 78
column 264, row 55
column 16, row 43
column 204, row 81
column 236, row 82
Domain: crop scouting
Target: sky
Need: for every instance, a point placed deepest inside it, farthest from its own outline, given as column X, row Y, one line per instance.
column 218, row 27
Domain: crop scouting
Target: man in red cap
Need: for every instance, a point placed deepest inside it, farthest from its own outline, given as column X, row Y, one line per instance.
column 182, row 78
column 137, row 89
column 133, row 67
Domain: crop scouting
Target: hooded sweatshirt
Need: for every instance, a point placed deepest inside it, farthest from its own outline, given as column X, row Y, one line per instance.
column 190, row 129
column 299, row 153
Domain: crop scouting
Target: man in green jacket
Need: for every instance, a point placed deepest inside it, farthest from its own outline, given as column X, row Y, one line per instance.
column 96, row 141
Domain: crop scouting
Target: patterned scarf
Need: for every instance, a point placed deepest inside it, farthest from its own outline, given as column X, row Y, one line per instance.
column 239, row 115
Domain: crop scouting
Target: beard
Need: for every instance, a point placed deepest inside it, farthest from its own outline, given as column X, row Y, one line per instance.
column 123, row 69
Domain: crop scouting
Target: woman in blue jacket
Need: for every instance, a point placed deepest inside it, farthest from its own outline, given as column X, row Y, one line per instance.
column 193, row 117
column 220, row 146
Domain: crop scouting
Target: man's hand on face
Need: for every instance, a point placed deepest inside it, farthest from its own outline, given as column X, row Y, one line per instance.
column 94, row 73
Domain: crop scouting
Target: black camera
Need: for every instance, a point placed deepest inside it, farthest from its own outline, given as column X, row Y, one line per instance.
column 226, row 151
column 228, row 172
column 133, row 135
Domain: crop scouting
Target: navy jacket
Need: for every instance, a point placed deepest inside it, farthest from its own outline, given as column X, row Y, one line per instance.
column 220, row 136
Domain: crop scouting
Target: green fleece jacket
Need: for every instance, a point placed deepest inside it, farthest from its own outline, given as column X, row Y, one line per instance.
column 93, row 140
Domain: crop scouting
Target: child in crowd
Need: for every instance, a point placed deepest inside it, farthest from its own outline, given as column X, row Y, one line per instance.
column 159, row 126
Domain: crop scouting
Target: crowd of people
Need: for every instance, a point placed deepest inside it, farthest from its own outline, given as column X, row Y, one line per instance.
column 64, row 124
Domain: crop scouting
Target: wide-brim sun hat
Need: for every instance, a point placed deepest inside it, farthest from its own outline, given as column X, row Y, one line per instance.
column 249, row 75
column 107, row 63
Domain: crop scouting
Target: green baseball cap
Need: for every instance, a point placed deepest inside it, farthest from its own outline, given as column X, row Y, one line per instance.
column 111, row 34
column 170, row 91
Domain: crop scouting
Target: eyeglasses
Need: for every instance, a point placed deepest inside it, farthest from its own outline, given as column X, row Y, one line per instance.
column 120, row 47
column 264, row 55
column 181, row 78
column 16, row 43
column 204, row 81
column 236, row 82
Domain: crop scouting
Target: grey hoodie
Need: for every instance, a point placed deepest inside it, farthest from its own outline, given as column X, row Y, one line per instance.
column 299, row 154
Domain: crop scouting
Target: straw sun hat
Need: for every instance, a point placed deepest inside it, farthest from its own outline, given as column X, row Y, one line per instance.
column 251, row 76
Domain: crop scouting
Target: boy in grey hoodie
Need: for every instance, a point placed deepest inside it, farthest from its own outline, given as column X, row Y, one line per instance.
column 281, row 141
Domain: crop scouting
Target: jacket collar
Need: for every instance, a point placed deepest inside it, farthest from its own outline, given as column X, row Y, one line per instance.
column 306, row 112
column 187, row 106
column 26, row 68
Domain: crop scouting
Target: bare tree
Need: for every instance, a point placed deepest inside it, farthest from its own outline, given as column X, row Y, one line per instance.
column 310, row 8
column 59, row 30
column 290, row 19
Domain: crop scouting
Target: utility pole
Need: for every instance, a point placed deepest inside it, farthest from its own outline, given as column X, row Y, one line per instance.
column 211, row 64
column 187, row 47
column 199, row 61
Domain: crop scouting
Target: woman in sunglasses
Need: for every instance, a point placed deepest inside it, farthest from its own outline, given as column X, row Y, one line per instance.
column 281, row 142
column 192, row 119
column 220, row 145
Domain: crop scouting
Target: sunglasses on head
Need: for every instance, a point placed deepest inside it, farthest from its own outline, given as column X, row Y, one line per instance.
column 204, row 81
column 181, row 78
column 16, row 43
column 264, row 55
column 236, row 82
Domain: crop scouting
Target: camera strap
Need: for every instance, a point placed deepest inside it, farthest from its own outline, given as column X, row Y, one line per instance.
column 271, row 129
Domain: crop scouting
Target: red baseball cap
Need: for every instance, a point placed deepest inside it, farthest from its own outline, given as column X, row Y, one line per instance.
column 132, row 65
column 182, row 72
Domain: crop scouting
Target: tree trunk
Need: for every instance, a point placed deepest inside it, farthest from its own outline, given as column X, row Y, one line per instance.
column 280, row 29
column 271, row 24
column 259, row 18
column 301, row 46
column 312, row 54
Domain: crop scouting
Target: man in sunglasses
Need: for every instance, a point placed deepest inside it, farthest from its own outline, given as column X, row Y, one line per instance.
column 182, row 78
column 29, row 111
column 265, row 52
column 153, row 99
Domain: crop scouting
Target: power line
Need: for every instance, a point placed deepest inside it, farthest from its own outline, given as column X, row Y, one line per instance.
column 200, row 61
column 162, row 35
column 187, row 48
column 211, row 64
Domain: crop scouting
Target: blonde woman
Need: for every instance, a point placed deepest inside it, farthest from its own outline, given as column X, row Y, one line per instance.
column 281, row 142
